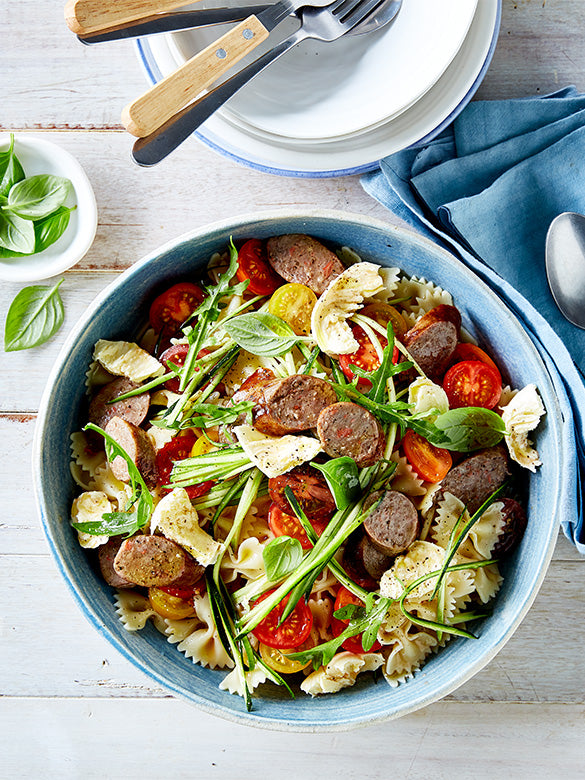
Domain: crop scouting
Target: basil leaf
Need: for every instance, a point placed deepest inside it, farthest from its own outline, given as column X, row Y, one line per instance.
column 16, row 234
column 281, row 557
column 38, row 196
column 469, row 428
column 112, row 524
column 261, row 333
column 51, row 228
column 11, row 170
column 34, row 316
column 341, row 474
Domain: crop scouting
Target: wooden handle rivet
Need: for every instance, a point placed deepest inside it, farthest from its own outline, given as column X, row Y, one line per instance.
column 247, row 33
column 221, row 53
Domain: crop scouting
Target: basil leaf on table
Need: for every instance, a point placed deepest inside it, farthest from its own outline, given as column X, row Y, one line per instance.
column 16, row 234
column 341, row 474
column 281, row 557
column 34, row 316
column 469, row 428
column 38, row 196
column 11, row 171
column 261, row 333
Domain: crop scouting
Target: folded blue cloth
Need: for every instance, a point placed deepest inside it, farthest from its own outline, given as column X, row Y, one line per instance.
column 487, row 188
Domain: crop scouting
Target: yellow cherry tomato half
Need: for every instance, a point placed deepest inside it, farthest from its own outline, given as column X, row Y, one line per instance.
column 168, row 606
column 383, row 313
column 202, row 446
column 279, row 661
column 294, row 304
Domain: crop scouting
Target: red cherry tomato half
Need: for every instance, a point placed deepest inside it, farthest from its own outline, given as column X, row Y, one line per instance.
column 253, row 265
column 173, row 307
column 179, row 593
column 365, row 357
column 464, row 351
column 430, row 463
column 177, row 355
column 472, row 383
column 282, row 524
column 309, row 488
column 292, row 633
column 179, row 448
column 354, row 643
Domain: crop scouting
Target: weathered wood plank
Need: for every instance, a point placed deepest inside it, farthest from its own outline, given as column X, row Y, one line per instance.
column 142, row 739
column 44, row 625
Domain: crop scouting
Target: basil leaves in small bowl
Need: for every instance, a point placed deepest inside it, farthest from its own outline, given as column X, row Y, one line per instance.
column 48, row 213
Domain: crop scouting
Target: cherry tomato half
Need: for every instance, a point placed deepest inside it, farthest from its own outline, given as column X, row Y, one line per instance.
column 430, row 463
column 365, row 357
column 177, row 355
column 173, row 307
column 179, row 448
column 309, row 488
column 354, row 643
column 279, row 661
column 292, row 633
column 294, row 303
column 383, row 313
column 253, row 265
column 169, row 606
column 464, row 351
column 282, row 524
column 472, row 383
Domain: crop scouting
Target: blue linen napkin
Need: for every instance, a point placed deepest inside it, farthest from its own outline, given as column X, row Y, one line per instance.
column 487, row 188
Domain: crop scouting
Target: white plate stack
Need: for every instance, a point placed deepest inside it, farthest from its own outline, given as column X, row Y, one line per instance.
column 333, row 109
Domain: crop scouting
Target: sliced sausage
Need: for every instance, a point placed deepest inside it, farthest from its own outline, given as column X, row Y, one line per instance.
column 155, row 561
column 392, row 526
column 292, row 404
column 310, row 489
column 432, row 341
column 364, row 563
column 251, row 388
column 106, row 555
column 303, row 259
column 133, row 410
column 474, row 479
column 348, row 429
column 137, row 444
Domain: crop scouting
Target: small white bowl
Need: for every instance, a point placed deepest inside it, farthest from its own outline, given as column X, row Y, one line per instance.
column 38, row 156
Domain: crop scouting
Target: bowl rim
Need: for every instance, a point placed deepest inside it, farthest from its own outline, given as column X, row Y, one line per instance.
column 252, row 718
column 87, row 220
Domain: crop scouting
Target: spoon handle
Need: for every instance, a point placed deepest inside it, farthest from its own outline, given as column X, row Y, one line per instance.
column 88, row 16
column 151, row 110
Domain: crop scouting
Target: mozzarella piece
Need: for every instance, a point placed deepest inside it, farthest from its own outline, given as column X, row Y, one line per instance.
column 124, row 358
column 342, row 298
column 274, row 455
column 177, row 518
column 89, row 508
column 520, row 416
column 426, row 396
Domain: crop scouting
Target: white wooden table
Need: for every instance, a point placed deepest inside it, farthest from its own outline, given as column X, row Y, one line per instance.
column 71, row 706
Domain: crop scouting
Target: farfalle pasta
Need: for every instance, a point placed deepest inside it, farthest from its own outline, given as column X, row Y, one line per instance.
column 301, row 469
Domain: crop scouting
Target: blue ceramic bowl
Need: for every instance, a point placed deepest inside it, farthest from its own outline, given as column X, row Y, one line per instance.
column 111, row 317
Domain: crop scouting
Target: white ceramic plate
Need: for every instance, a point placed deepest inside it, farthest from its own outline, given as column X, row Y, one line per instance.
column 321, row 90
column 357, row 153
column 39, row 156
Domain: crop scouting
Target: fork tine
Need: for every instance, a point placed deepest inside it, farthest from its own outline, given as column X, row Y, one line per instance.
column 339, row 3
column 359, row 11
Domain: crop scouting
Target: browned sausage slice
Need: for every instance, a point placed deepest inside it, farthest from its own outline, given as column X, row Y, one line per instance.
column 292, row 404
column 392, row 526
column 303, row 259
column 133, row 410
column 474, row 480
column 252, row 387
column 106, row 555
column 348, row 429
column 432, row 341
column 310, row 489
column 137, row 445
column 155, row 561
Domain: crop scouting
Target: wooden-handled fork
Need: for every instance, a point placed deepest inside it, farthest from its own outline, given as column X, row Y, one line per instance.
column 88, row 16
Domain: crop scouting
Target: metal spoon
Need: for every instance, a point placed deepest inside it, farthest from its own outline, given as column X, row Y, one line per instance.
column 565, row 265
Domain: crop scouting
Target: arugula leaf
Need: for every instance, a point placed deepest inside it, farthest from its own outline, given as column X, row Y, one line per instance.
column 261, row 333
column 112, row 524
column 38, row 196
column 342, row 476
column 16, row 234
column 34, row 316
column 379, row 378
column 281, row 556
column 11, row 171
column 469, row 428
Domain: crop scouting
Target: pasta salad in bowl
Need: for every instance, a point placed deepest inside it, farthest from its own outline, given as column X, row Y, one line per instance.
column 312, row 470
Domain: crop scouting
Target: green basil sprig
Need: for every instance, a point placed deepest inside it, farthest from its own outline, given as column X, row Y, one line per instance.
column 342, row 476
column 11, row 170
column 261, row 333
column 38, row 196
column 34, row 316
column 469, row 428
column 281, row 557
